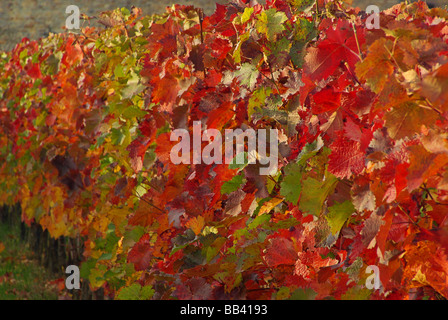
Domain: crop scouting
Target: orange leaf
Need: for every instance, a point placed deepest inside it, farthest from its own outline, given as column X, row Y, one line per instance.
column 423, row 165
column 164, row 146
column 407, row 119
column 427, row 264
column 377, row 67
column 269, row 205
column 435, row 86
column 196, row 224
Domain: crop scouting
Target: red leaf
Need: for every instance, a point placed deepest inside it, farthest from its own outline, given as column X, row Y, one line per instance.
column 340, row 46
column 141, row 253
column 220, row 116
column 352, row 130
column 165, row 92
column 164, row 146
column 220, row 48
column 213, row 78
column 280, row 251
column 325, row 273
column 438, row 213
column 73, row 54
column 137, row 150
column 326, row 100
column 346, row 158
column 34, row 71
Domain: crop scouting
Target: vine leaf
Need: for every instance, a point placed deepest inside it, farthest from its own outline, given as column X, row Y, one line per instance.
column 340, row 45
column 141, row 253
column 346, row 158
column 270, row 23
column 338, row 215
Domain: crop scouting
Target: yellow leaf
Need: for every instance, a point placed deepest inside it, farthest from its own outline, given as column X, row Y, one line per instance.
column 420, row 277
column 426, row 264
column 54, row 223
column 269, row 205
column 209, row 230
column 2, row 247
column 117, row 215
column 96, row 278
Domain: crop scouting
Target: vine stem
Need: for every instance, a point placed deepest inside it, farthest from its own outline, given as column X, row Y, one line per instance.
column 270, row 79
column 201, row 19
column 361, row 57
column 317, row 13
column 150, row 203
column 127, row 35
column 431, row 106
column 425, row 188
column 410, row 219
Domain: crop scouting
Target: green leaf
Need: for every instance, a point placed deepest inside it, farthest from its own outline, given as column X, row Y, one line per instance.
column 310, row 150
column 232, row 185
column 40, row 120
column 303, row 294
column 133, row 112
column 338, row 214
column 213, row 249
column 283, row 293
column 298, row 53
column 118, row 71
column 125, row 12
column 237, row 52
column 86, row 267
column 245, row 16
column 117, row 136
column 248, row 75
column 306, row 30
column 23, row 56
column 133, row 87
column 270, row 23
column 282, row 45
column 259, row 220
column 291, row 186
column 271, row 110
column 271, row 183
column 135, row 233
column 52, row 63
column 303, row 4
column 120, row 136
column 136, row 292
column 240, row 166
column 105, row 256
column 147, row 292
column 258, row 99
column 315, row 192
column 356, row 293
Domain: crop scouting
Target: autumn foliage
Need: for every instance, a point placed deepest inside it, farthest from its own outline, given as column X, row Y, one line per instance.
column 362, row 116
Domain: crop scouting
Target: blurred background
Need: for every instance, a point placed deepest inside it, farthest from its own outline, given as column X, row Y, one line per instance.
column 36, row 18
